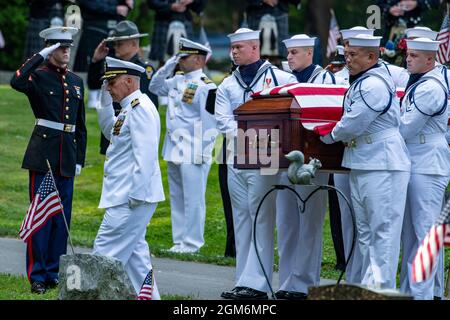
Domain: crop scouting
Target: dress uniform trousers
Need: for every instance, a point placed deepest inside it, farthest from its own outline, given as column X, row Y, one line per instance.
column 187, row 204
column 50, row 242
column 122, row 236
column 379, row 210
column 304, row 248
column 423, row 207
column 247, row 188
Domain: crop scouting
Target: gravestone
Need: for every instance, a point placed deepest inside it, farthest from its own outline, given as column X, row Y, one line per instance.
column 86, row 276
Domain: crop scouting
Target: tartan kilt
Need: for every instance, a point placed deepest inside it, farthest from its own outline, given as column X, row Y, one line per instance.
column 159, row 38
column 91, row 36
column 34, row 43
column 282, row 21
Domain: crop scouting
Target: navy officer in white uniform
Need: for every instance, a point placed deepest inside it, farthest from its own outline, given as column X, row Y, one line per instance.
column 132, row 185
column 300, row 235
column 424, row 125
column 190, row 135
column 377, row 156
column 247, row 187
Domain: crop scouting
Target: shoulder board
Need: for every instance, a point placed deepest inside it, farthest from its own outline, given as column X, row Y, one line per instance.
column 179, row 73
column 134, row 103
column 206, row 80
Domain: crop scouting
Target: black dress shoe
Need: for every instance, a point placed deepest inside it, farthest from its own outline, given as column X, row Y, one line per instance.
column 293, row 295
column 38, row 287
column 250, row 294
column 50, row 284
column 281, row 294
column 229, row 294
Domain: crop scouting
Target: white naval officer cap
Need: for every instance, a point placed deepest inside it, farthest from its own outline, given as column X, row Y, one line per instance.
column 116, row 67
column 188, row 47
column 421, row 32
column 347, row 33
column 364, row 40
column 299, row 40
column 244, row 34
column 423, row 44
column 57, row 34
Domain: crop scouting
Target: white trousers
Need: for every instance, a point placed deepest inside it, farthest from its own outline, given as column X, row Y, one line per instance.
column 122, row 236
column 187, row 185
column 300, row 234
column 423, row 207
column 379, row 199
column 247, row 188
column 354, row 266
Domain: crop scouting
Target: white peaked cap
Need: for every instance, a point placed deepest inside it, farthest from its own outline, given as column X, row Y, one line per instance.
column 244, row 34
column 188, row 47
column 117, row 67
column 58, row 34
column 299, row 40
column 364, row 40
column 347, row 33
column 421, row 32
column 424, row 44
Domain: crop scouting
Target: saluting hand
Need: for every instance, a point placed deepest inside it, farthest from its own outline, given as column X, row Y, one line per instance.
column 100, row 52
column 105, row 97
column 46, row 51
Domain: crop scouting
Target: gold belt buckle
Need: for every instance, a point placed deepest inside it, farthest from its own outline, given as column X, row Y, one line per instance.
column 67, row 127
column 350, row 144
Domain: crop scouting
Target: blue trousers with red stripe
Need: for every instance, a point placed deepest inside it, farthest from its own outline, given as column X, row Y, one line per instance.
column 50, row 242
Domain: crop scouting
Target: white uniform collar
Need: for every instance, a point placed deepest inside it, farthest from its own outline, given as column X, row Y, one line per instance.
column 194, row 74
column 127, row 100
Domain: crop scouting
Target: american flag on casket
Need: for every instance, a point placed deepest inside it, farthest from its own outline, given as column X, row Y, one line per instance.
column 321, row 103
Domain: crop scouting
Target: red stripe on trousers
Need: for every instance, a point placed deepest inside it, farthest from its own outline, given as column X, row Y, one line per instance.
column 30, row 241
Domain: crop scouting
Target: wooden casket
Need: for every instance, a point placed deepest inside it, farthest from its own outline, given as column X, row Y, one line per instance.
column 281, row 119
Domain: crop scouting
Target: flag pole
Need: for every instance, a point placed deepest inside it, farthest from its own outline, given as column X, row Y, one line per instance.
column 62, row 207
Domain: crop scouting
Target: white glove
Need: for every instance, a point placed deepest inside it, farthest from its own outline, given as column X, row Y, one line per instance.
column 46, row 51
column 133, row 203
column 77, row 169
column 170, row 64
column 105, row 97
column 327, row 139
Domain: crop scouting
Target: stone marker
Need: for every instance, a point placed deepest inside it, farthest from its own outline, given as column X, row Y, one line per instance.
column 352, row 292
column 84, row 276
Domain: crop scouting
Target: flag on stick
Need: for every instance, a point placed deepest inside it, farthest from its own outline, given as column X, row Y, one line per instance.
column 428, row 253
column 333, row 35
column 443, row 54
column 44, row 205
column 147, row 287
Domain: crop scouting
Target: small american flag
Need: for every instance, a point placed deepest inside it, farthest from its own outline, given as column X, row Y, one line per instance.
column 147, row 287
column 333, row 35
column 443, row 54
column 46, row 204
column 428, row 253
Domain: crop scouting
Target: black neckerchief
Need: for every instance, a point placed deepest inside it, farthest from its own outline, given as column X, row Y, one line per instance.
column 304, row 75
column 249, row 71
column 357, row 76
column 413, row 78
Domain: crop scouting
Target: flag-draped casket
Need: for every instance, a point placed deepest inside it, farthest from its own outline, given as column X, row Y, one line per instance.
column 298, row 112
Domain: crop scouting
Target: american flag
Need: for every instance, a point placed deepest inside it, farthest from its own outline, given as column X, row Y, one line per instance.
column 443, row 54
column 333, row 35
column 46, row 204
column 321, row 103
column 147, row 287
column 427, row 255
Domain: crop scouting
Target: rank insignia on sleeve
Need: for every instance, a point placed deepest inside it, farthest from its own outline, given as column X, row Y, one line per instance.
column 118, row 124
column 149, row 71
column 77, row 89
column 134, row 103
column 189, row 93
column 206, row 80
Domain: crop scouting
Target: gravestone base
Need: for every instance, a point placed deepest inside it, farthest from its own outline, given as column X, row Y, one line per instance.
column 353, row 292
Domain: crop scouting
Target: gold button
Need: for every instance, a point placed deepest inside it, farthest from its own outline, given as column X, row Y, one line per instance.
column 58, row 70
column 51, row 92
column 67, row 91
column 67, row 108
column 63, row 77
column 78, row 96
column 67, row 116
column 44, row 135
column 67, row 99
column 65, row 84
column 74, row 140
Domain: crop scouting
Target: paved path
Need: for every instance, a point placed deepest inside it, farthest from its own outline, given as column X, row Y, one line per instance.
column 188, row 279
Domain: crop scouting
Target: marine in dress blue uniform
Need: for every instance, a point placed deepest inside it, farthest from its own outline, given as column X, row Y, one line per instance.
column 56, row 98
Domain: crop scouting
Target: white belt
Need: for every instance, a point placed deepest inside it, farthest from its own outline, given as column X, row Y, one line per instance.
column 55, row 125
column 426, row 138
column 371, row 138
